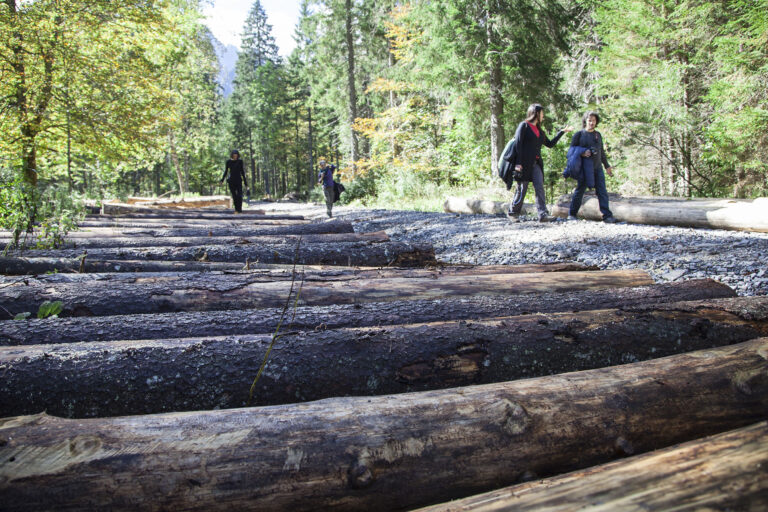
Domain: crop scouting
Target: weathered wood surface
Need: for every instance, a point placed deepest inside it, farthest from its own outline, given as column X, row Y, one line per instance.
column 348, row 253
column 733, row 214
column 269, row 272
column 727, row 471
column 309, row 318
column 241, row 291
column 477, row 205
column 151, row 376
column 187, row 241
column 332, row 226
column 183, row 204
column 213, row 215
column 385, row 453
column 21, row 266
column 186, row 224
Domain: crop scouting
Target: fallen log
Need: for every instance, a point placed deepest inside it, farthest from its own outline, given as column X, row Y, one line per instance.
column 315, row 228
column 186, row 241
column 349, row 254
column 131, row 204
column 194, row 215
column 741, row 215
column 19, row 266
column 385, row 453
column 308, row 318
column 186, row 224
column 162, row 375
column 245, row 292
column 476, row 205
column 268, row 272
column 727, row 471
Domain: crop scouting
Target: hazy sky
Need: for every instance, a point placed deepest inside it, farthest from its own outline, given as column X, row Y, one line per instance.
column 225, row 18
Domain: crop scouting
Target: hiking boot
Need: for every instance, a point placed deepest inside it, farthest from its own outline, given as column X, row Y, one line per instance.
column 546, row 218
column 573, row 217
column 610, row 220
column 513, row 217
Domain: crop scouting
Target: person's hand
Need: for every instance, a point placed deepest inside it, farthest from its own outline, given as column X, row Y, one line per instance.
column 609, row 171
column 587, row 154
column 568, row 129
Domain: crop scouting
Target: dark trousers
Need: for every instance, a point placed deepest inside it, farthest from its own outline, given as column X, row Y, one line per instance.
column 600, row 190
column 538, row 187
column 237, row 195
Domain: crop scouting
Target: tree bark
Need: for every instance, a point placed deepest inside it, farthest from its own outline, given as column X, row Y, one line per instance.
column 210, row 224
column 350, row 254
column 28, row 266
column 243, row 291
column 187, row 241
column 385, row 453
column 308, row 318
column 351, row 88
column 332, row 226
column 726, row 471
column 743, row 215
column 461, row 205
column 185, row 374
column 268, row 272
column 171, row 215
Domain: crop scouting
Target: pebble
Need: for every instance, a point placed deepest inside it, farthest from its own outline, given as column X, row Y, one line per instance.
column 667, row 253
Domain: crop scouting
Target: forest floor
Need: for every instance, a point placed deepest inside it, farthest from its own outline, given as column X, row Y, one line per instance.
column 735, row 258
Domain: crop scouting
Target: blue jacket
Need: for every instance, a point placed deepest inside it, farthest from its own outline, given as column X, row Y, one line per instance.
column 578, row 167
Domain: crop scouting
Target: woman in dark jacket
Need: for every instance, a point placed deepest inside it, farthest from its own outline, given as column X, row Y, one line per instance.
column 591, row 138
column 529, row 138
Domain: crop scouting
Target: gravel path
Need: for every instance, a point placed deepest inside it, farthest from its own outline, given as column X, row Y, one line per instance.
column 735, row 258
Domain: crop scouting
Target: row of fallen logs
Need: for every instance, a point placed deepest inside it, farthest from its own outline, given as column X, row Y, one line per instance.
column 384, row 388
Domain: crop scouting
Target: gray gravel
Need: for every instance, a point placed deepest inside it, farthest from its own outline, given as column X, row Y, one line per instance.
column 735, row 258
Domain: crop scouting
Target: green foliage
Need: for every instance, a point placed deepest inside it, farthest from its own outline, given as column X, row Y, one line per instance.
column 22, row 316
column 50, row 309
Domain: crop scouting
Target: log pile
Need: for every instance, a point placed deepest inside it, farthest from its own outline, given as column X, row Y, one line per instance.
column 189, row 370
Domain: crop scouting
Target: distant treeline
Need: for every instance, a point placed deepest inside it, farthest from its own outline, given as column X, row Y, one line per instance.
column 112, row 98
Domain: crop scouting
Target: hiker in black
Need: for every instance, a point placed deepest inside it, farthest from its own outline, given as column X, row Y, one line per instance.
column 236, row 179
column 529, row 138
column 591, row 138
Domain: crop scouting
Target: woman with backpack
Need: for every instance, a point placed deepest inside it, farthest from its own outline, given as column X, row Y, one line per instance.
column 591, row 141
column 529, row 138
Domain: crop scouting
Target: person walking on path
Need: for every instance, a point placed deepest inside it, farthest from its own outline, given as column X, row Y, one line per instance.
column 529, row 137
column 325, row 177
column 236, row 179
column 590, row 138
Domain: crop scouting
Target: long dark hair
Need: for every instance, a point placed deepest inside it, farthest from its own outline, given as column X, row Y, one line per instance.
column 533, row 113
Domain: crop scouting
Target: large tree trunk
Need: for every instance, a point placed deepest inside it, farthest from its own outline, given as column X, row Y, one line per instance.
column 351, row 88
column 245, row 292
column 186, row 241
column 139, row 377
column 495, row 84
column 470, row 206
column 27, row 266
column 726, row 471
column 188, row 215
column 268, row 272
column 743, row 215
column 293, row 228
column 391, row 452
column 350, row 254
column 210, row 224
column 307, row 318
